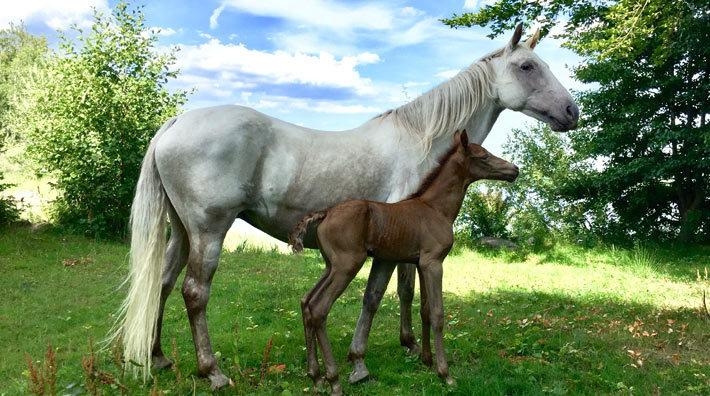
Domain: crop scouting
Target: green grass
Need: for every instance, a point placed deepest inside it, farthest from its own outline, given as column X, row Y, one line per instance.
column 566, row 321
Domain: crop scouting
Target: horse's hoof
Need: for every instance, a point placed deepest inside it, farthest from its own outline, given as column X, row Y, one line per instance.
column 450, row 381
column 359, row 373
column 219, row 380
column 319, row 384
column 161, row 362
column 336, row 389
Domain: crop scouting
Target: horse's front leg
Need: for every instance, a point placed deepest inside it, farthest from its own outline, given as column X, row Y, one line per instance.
column 405, row 291
column 380, row 275
column 425, row 313
column 202, row 263
column 431, row 277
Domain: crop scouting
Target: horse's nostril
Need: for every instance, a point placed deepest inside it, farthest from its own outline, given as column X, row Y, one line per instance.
column 572, row 111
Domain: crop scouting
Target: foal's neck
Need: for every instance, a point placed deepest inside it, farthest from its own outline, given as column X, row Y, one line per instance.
column 446, row 192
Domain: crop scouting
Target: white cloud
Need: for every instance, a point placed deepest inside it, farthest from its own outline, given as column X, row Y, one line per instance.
column 411, row 12
column 165, row 32
column 473, row 4
column 237, row 62
column 288, row 104
column 55, row 14
column 446, row 74
column 214, row 23
column 160, row 31
column 330, row 14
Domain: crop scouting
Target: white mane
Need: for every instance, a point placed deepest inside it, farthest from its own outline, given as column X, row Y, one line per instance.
column 446, row 107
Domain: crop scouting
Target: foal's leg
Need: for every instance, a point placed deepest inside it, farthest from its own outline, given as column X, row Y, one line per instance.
column 175, row 260
column 343, row 270
column 380, row 275
column 431, row 276
column 405, row 291
column 424, row 312
column 205, row 249
column 309, row 331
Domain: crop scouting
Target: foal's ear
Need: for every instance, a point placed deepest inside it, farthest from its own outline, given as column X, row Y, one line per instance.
column 463, row 138
column 517, row 34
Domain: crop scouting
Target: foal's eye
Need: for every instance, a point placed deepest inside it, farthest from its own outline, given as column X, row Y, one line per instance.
column 527, row 66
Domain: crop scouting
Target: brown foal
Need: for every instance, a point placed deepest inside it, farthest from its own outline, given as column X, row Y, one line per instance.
column 418, row 230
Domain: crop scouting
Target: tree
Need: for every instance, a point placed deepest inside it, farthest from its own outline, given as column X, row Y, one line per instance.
column 21, row 55
column 648, row 123
column 90, row 117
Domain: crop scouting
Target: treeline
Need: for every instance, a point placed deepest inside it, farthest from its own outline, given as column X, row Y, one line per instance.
column 638, row 168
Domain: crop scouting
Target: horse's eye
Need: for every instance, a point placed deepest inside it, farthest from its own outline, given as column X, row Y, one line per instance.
column 527, row 66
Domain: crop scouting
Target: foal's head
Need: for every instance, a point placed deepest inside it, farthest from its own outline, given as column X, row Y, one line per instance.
column 483, row 165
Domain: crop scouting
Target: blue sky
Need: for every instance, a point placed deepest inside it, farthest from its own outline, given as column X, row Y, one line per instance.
column 328, row 65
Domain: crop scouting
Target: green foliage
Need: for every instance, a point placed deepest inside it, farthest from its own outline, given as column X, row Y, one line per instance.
column 90, row 117
column 21, row 55
column 647, row 126
column 485, row 212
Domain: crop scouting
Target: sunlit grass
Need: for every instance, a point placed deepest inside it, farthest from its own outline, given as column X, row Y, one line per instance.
column 565, row 321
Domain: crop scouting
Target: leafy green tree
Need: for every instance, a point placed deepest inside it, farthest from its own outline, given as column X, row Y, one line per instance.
column 21, row 55
column 485, row 212
column 647, row 126
column 90, row 117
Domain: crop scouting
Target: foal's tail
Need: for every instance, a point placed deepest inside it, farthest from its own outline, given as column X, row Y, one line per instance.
column 138, row 315
column 295, row 238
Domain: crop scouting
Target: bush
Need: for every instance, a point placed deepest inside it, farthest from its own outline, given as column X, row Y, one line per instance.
column 9, row 210
column 90, row 116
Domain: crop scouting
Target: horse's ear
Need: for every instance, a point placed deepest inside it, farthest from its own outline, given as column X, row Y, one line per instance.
column 463, row 136
column 532, row 41
column 517, row 34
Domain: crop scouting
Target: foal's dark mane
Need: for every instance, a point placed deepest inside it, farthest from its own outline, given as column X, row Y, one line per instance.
column 434, row 173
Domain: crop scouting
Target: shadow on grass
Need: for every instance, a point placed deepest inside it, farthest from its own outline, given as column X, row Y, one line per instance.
column 503, row 342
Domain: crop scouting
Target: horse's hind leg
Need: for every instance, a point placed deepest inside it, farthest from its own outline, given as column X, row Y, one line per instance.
column 175, row 260
column 309, row 331
column 343, row 270
column 405, row 291
column 380, row 275
column 205, row 249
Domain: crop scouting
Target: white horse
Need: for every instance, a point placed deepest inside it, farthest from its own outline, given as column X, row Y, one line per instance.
column 207, row 167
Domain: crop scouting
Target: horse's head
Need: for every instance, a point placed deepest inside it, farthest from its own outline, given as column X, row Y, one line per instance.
column 480, row 164
column 524, row 82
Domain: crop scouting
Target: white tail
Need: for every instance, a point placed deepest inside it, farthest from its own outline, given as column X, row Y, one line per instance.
column 136, row 326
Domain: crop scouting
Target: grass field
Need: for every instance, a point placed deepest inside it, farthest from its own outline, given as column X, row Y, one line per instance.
column 569, row 321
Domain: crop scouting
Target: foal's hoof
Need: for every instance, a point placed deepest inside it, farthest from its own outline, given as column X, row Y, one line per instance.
column 161, row 362
column 410, row 345
column 219, row 380
column 359, row 373
column 450, row 381
column 413, row 349
column 427, row 359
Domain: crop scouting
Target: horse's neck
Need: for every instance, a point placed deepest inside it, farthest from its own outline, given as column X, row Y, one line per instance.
column 446, row 192
column 411, row 174
column 479, row 125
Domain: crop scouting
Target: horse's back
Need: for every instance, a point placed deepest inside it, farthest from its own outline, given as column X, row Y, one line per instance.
column 207, row 158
